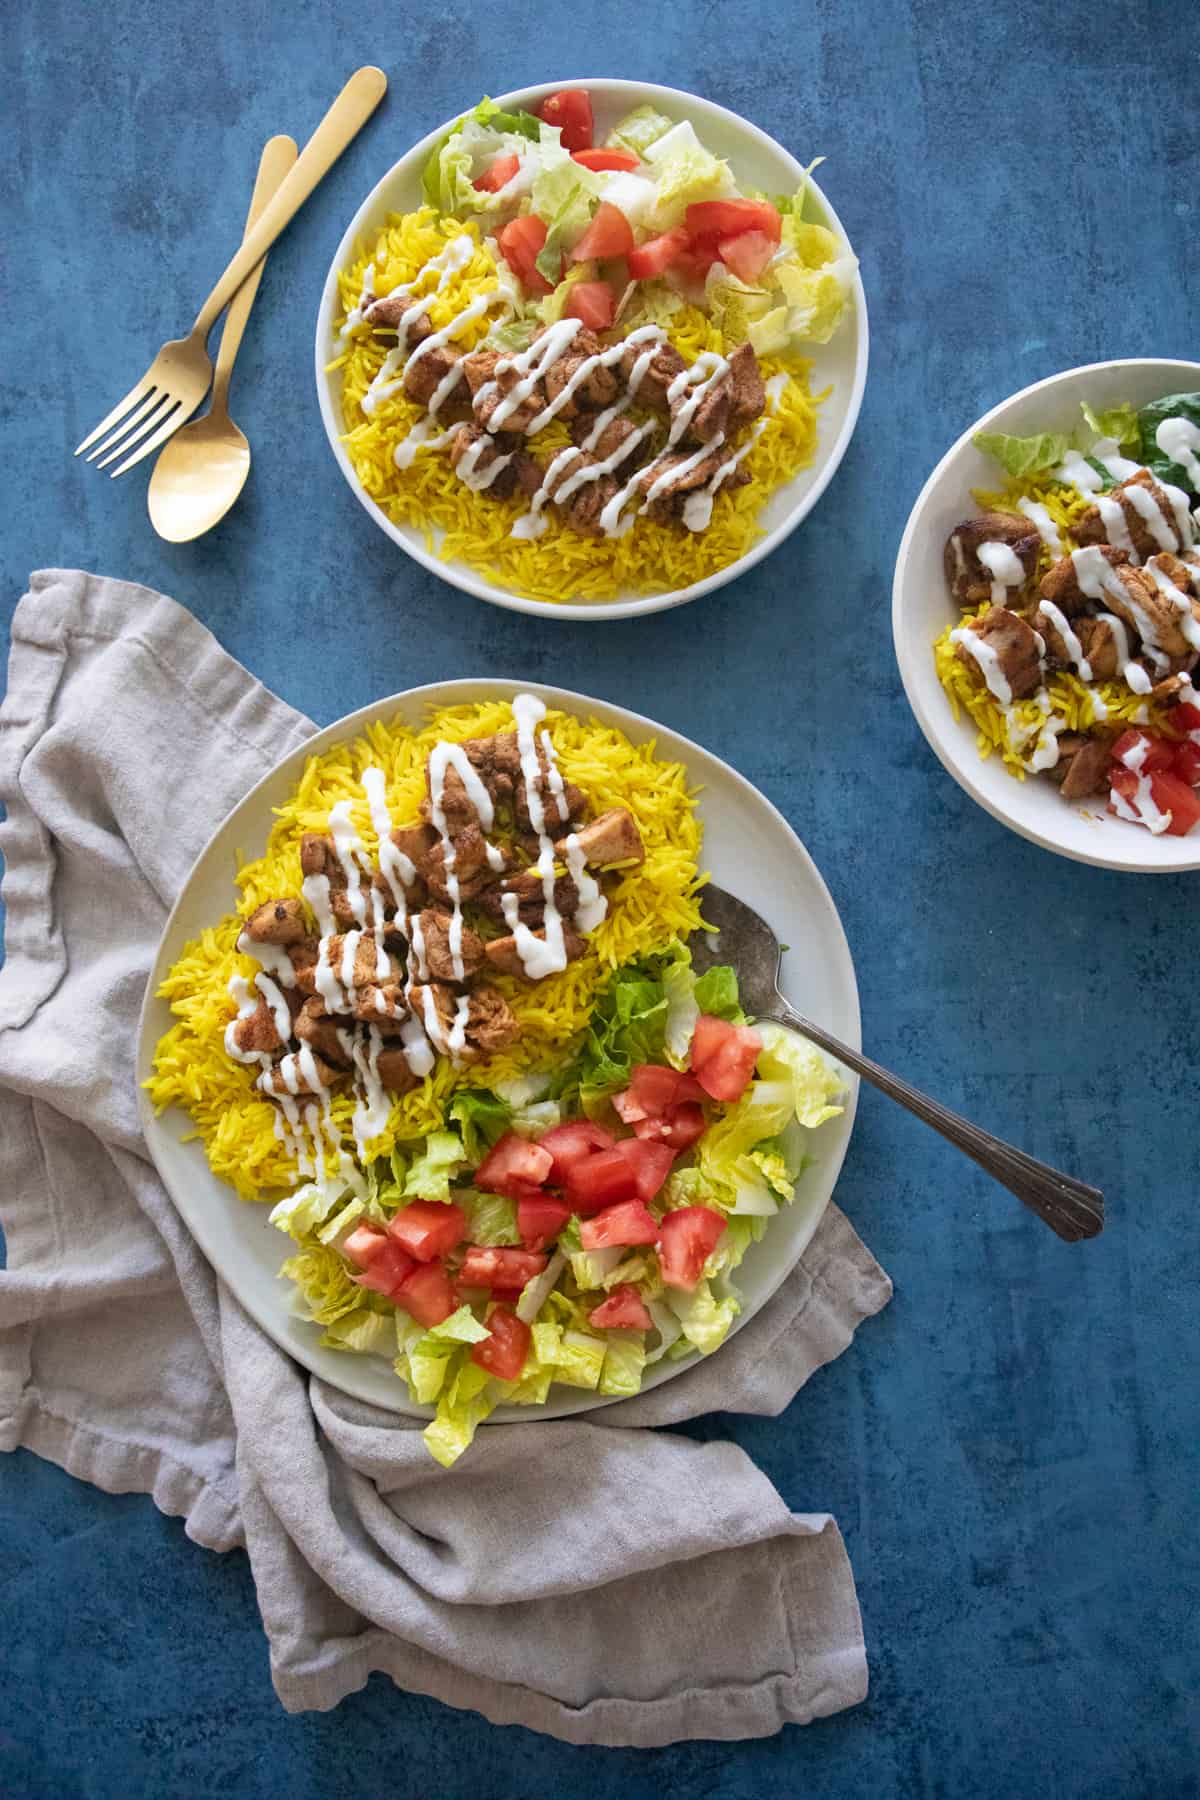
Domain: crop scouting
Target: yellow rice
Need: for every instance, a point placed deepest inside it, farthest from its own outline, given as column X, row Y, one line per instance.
column 649, row 905
column 459, row 525
column 1070, row 698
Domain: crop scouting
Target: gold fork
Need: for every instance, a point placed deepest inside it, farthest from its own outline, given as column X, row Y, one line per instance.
column 178, row 378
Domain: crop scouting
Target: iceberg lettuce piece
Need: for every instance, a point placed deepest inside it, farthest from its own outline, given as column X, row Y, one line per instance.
column 429, row 1358
column 624, row 1361
column 1021, row 456
column 684, row 173
column 538, row 1289
column 564, row 194
column 704, row 1319
column 429, row 1172
column 364, row 1331
column 493, row 1218
column 817, row 1087
column 340, row 1222
column 464, row 1404
column 638, row 130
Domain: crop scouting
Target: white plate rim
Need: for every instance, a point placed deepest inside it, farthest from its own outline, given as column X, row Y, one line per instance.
column 460, row 576
column 908, row 652
column 339, row 1369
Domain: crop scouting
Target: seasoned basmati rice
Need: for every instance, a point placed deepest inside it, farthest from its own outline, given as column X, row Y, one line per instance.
column 561, row 565
column 649, row 906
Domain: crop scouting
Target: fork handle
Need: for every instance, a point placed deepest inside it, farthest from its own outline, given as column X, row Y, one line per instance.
column 341, row 124
column 1069, row 1207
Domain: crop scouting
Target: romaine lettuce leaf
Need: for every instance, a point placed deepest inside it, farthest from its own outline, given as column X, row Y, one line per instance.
column 429, row 1173
column 482, row 1117
column 816, row 298
column 493, row 1218
column 624, row 1361
column 468, row 1400
column 816, row 1084
column 732, row 305
column 365, row 1331
column 717, row 994
column 477, row 139
column 324, row 1282
column 580, row 1359
column 1120, row 423
column 563, row 195
column 538, row 1289
column 430, row 1358
column 334, row 1227
column 679, row 986
column 638, row 130
column 1020, row 456
column 308, row 1207
column 705, row 1319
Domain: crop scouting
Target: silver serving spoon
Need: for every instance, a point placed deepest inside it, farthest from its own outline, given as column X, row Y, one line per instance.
column 746, row 941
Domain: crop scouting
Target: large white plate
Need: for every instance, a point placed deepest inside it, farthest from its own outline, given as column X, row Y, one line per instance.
column 748, row 847
column 757, row 161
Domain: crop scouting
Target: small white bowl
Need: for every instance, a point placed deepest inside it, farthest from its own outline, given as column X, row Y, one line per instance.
column 922, row 607
column 757, row 161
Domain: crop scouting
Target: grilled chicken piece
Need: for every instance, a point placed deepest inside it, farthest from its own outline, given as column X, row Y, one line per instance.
column 315, row 1028
column 439, row 954
column 382, row 1005
column 394, row 1072
column 733, row 400
column 682, row 480
column 289, row 1076
column 598, row 388
column 501, row 452
column 277, row 922
column 660, row 372
column 612, row 838
column 1061, row 583
column 1153, row 616
column 1099, row 644
column 303, row 958
column 1171, row 691
column 364, row 970
column 490, row 1024
column 970, row 580
column 423, row 377
column 386, row 314
column 1016, row 646
column 414, row 842
column 318, row 856
column 504, row 957
column 1082, row 766
column 490, row 383
column 531, row 898
column 471, row 868
column 617, row 432
column 1148, row 514
column 257, row 1033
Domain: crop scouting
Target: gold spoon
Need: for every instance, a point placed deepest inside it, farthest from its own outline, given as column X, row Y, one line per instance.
column 202, row 469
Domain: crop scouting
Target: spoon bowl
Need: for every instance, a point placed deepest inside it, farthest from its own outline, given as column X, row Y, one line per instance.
column 197, row 478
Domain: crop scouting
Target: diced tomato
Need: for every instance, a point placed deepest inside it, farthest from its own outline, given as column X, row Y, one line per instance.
column 687, row 1239
column 387, row 1269
column 364, row 1243
column 602, row 1180
column 1185, row 762
column 1158, row 752
column 540, row 1218
column 728, row 218
column 629, row 1223
column 680, row 1127
column 1169, row 793
column 1186, row 716
column 498, row 175
column 503, row 1354
column 521, row 242
column 624, row 1310
column 594, row 303
column 747, row 255
column 427, row 1229
column 571, row 110
column 627, row 1108
column 602, row 160
column 657, row 254
column 697, row 258
column 724, row 1062
column 651, row 1161
column 609, row 234
column 500, row 1268
column 512, row 1166
column 570, row 1143
column 658, row 1089
column 427, row 1293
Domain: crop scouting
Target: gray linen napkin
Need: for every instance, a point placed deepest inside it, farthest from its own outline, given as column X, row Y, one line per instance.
column 510, row 1584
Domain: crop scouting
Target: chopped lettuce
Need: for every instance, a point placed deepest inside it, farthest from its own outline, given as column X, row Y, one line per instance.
column 308, row 1207
column 493, row 1218
column 429, row 1173
column 638, row 130
column 1120, row 423
column 429, row 1358
column 365, row 1331
column 683, row 1010
column 538, row 1288
column 589, row 1267
column 816, row 297
column 1172, row 406
column 342, row 1221
column 324, row 1282
column 816, row 1084
column 732, row 305
column 684, row 173
column 482, row 1118
column 447, row 180
column 534, row 1120
column 667, row 1326
column 652, row 303
column 580, row 1359
column 1020, row 456
column 564, row 194
column 717, row 994
column 633, row 1013
column 624, row 1360
column 468, row 1400
column 551, row 309
column 771, row 1162
column 705, row 1320
column 631, row 194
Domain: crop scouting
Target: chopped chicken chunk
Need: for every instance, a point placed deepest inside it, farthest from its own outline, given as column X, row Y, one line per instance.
column 658, row 373
column 1092, row 529
column 970, row 581
column 315, row 1028
column 386, row 314
column 1015, row 644
column 289, row 1076
column 1061, row 583
column 598, row 388
column 1098, row 642
column 501, row 452
column 531, row 897
column 318, row 856
column 392, row 1067
column 612, row 838
column 735, row 398
column 439, row 951
column 257, row 1032
column 1082, row 767
column 277, row 922
column 1153, row 616
column 617, row 432
column 503, row 955
column 489, row 1025
column 423, row 377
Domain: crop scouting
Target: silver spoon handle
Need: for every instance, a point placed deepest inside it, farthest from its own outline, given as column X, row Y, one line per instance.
column 1069, row 1207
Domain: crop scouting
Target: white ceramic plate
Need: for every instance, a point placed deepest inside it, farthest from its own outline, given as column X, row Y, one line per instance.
column 758, row 162
column 922, row 607
column 748, row 847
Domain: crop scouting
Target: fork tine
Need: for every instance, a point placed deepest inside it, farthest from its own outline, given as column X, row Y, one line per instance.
column 153, row 398
column 183, row 411
column 110, row 419
column 164, row 404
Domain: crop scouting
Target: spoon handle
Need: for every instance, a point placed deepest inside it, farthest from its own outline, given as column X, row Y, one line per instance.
column 278, row 157
column 341, row 124
column 1069, row 1207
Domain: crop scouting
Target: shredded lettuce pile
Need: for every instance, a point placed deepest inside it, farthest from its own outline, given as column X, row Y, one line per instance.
column 1119, row 429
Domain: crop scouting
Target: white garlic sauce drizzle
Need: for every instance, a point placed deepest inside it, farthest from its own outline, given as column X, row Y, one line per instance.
column 1004, row 566
column 467, row 467
column 1039, row 516
column 421, row 437
column 1071, row 643
column 988, row 660
column 383, row 386
column 1179, row 440
column 546, row 955
column 1097, row 580
column 366, row 296
column 1143, row 809
column 698, row 506
column 1189, row 625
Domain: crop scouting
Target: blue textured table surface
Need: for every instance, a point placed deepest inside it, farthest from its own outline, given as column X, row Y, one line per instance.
column 1011, row 1449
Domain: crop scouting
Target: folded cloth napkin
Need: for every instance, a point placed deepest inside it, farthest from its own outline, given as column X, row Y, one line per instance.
column 603, row 1584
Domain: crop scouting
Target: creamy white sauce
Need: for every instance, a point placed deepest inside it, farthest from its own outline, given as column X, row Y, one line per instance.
column 1038, row 515
column 1116, row 527
column 1152, row 516
column 698, row 506
column 529, row 365
column 1071, row 643
column 422, row 436
column 1188, row 623
column 695, row 382
column 591, row 907
column 347, row 845
column 273, row 957
column 354, row 317
column 1143, row 809
column 1077, row 472
column 988, row 661
column 386, row 382
column 546, row 955
column 245, row 998
column 1004, row 566
column 603, row 359
column 315, row 889
column 374, row 1107
column 1107, row 452
column 1179, row 439
column 467, row 467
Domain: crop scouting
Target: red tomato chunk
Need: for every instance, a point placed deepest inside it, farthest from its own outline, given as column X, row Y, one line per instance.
column 427, row 1229
column 603, row 160
column 723, row 1057
column 680, row 1129
column 619, row 1226
column 540, row 1218
column 571, row 110
column 728, row 218
column 651, row 1161
column 687, row 1239
column 602, row 1180
column 570, row 1143
column 387, row 1269
column 498, row 175
column 593, row 303
column 608, row 235
column 747, row 255
column 427, row 1293
column 365, row 1242
column 521, row 242
column 1157, row 754
column 504, row 1353
column 500, row 1268
column 513, row 1166
column 658, row 254
column 656, row 1089
column 624, row 1310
